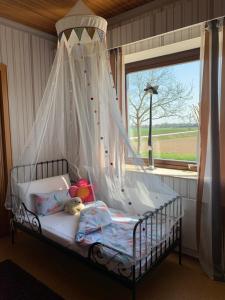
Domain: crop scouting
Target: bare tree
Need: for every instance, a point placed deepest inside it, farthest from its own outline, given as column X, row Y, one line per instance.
column 170, row 101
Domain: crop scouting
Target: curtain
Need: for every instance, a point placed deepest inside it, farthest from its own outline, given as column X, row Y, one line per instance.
column 116, row 62
column 211, row 181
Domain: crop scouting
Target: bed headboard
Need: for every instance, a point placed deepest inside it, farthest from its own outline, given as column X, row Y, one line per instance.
column 40, row 170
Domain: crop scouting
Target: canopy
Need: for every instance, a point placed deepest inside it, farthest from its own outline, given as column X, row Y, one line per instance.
column 79, row 120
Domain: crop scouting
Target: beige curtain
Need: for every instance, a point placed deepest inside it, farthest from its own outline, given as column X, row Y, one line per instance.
column 211, row 181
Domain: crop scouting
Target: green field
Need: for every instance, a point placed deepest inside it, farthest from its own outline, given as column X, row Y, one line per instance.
column 144, row 130
column 181, row 146
column 171, row 155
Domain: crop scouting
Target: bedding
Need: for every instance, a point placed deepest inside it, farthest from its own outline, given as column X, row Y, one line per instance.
column 50, row 203
column 93, row 218
column 119, row 234
column 45, row 185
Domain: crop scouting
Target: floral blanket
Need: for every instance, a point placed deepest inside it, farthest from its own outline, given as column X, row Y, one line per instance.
column 118, row 234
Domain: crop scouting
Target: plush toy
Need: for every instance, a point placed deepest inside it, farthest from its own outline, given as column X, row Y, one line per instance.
column 85, row 193
column 73, row 190
column 73, row 206
column 82, row 182
column 83, row 190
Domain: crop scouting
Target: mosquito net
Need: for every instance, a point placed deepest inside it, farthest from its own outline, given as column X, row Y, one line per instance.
column 79, row 120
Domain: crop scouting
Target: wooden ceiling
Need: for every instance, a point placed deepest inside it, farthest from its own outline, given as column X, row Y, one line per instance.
column 43, row 14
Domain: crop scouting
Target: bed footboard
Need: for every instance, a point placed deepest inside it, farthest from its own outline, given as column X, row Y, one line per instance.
column 112, row 260
column 165, row 226
column 154, row 236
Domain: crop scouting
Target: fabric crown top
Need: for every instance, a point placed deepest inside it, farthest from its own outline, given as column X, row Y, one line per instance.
column 81, row 16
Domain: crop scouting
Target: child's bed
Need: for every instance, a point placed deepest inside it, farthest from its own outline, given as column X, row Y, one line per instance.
column 130, row 247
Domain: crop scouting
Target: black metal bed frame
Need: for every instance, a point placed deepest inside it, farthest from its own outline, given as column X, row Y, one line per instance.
column 141, row 265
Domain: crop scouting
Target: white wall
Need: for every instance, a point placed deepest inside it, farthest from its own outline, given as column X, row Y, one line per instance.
column 161, row 16
column 28, row 55
column 179, row 40
column 187, row 188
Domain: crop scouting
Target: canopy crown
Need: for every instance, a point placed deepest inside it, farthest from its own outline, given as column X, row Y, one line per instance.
column 80, row 16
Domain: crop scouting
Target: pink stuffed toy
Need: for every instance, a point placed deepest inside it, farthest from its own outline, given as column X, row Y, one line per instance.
column 73, row 190
column 82, row 182
column 83, row 190
column 85, row 193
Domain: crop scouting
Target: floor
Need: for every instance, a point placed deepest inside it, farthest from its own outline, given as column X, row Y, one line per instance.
column 74, row 281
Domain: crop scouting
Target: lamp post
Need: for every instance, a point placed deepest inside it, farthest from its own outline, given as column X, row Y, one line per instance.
column 151, row 90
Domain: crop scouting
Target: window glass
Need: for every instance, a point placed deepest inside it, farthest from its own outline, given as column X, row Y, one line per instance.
column 175, row 111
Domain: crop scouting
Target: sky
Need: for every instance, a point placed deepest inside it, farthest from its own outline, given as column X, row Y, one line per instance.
column 188, row 74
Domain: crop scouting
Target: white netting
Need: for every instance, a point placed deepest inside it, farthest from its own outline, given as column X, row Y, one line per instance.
column 79, row 120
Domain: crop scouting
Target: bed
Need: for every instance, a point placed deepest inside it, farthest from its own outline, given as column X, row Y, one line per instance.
column 146, row 241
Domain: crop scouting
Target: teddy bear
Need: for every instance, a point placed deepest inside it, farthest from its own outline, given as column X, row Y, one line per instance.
column 74, row 206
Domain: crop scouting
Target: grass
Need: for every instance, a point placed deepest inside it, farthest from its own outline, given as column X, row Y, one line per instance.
column 171, row 155
column 144, row 131
column 179, row 152
column 169, row 137
column 176, row 156
column 172, row 137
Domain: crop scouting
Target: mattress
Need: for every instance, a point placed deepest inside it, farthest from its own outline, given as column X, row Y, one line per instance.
column 61, row 228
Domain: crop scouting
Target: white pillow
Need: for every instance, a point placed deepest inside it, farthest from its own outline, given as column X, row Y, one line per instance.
column 46, row 185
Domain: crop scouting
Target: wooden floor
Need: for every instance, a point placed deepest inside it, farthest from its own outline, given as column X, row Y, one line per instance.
column 74, row 281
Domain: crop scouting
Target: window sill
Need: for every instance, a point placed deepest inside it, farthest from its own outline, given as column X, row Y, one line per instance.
column 174, row 173
column 170, row 172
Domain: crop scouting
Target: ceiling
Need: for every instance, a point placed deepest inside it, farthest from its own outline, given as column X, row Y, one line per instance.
column 43, row 14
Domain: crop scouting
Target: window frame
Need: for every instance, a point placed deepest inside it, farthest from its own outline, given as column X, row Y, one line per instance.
column 158, row 62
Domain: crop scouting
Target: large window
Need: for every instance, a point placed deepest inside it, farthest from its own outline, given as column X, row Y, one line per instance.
column 175, row 109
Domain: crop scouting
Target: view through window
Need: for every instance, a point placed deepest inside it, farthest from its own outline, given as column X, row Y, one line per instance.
column 175, row 111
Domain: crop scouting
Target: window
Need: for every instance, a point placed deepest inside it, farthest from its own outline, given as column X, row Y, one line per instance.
column 175, row 109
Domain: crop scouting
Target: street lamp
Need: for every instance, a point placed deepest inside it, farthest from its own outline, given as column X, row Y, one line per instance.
column 151, row 90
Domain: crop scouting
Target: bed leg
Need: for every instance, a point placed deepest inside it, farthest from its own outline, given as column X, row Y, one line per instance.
column 180, row 241
column 134, row 292
column 12, row 231
column 13, row 237
column 134, row 283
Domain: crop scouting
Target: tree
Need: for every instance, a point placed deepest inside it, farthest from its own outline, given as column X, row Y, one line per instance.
column 170, row 101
